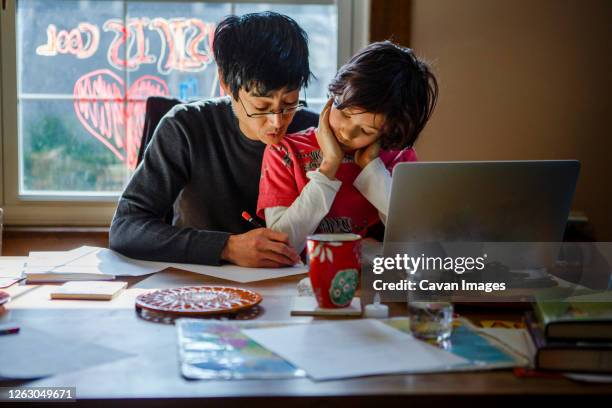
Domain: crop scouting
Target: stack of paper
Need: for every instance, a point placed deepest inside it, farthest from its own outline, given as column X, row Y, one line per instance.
column 85, row 263
column 93, row 263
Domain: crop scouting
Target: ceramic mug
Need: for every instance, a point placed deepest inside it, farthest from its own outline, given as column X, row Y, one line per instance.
column 335, row 263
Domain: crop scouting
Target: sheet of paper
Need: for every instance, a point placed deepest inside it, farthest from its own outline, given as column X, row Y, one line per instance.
column 33, row 354
column 10, row 271
column 241, row 274
column 17, row 291
column 11, row 268
column 91, row 260
column 334, row 350
column 97, row 261
column 40, row 298
column 517, row 341
column 110, row 262
column 49, row 259
column 6, row 282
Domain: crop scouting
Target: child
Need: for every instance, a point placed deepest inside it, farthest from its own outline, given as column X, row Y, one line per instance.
column 337, row 178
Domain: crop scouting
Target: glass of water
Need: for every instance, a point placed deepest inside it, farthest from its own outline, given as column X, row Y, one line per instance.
column 431, row 321
column 430, row 312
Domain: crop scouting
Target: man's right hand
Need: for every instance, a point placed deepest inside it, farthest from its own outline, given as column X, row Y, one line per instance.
column 260, row 248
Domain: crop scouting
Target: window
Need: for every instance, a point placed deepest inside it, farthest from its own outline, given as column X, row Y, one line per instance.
column 76, row 75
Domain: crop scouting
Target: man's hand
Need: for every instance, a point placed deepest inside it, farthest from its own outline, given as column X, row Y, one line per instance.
column 260, row 248
column 365, row 155
column 330, row 148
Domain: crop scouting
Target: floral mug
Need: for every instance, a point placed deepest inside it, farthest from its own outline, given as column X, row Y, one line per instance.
column 335, row 263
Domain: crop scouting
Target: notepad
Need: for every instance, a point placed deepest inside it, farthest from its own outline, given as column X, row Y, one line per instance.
column 88, row 290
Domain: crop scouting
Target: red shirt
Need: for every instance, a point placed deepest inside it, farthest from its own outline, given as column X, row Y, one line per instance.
column 283, row 176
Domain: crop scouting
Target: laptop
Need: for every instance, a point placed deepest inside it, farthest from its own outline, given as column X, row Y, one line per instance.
column 481, row 202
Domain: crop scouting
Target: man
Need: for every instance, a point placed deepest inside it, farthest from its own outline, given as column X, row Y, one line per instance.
column 204, row 159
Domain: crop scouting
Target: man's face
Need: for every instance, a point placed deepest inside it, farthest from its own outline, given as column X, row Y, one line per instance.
column 270, row 129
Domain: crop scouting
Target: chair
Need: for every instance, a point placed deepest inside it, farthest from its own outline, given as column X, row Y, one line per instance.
column 158, row 106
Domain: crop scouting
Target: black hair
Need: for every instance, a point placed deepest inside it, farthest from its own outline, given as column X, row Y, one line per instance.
column 389, row 79
column 262, row 52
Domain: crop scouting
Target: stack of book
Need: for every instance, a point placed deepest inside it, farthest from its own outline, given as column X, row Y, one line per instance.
column 573, row 333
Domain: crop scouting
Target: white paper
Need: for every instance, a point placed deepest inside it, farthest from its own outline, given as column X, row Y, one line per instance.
column 10, row 271
column 110, row 262
column 50, row 259
column 102, row 261
column 517, row 341
column 11, row 268
column 334, row 350
column 89, row 260
column 242, row 274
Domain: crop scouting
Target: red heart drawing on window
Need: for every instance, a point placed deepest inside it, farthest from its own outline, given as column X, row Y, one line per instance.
column 112, row 114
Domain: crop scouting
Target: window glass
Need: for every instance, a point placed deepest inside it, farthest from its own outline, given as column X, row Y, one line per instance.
column 85, row 69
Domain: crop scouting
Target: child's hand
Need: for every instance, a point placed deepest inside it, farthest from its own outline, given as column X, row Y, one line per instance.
column 332, row 153
column 365, row 155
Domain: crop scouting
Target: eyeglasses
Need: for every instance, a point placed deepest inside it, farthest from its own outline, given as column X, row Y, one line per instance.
column 283, row 112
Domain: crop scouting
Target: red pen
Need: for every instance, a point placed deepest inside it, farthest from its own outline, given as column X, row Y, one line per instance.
column 8, row 328
column 250, row 219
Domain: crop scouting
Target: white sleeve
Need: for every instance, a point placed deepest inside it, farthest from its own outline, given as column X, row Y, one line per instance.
column 309, row 208
column 374, row 182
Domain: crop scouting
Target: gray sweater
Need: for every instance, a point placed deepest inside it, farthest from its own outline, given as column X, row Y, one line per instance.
column 201, row 165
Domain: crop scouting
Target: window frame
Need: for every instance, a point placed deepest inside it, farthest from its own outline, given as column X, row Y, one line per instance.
column 90, row 209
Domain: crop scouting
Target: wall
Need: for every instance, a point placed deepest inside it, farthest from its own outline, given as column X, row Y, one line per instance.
column 518, row 80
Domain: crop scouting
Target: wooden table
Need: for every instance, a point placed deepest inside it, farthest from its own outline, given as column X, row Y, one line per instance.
column 152, row 377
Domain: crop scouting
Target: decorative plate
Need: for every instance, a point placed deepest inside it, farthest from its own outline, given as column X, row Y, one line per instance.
column 199, row 300
column 4, row 297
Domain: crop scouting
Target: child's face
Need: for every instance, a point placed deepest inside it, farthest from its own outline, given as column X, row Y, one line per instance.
column 354, row 129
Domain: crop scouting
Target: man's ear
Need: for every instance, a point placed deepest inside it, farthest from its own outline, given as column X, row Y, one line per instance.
column 222, row 84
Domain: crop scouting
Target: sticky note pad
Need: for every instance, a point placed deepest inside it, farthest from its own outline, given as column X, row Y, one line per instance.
column 88, row 290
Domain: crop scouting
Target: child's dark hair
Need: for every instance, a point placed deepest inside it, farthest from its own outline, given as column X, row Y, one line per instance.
column 388, row 79
column 261, row 52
